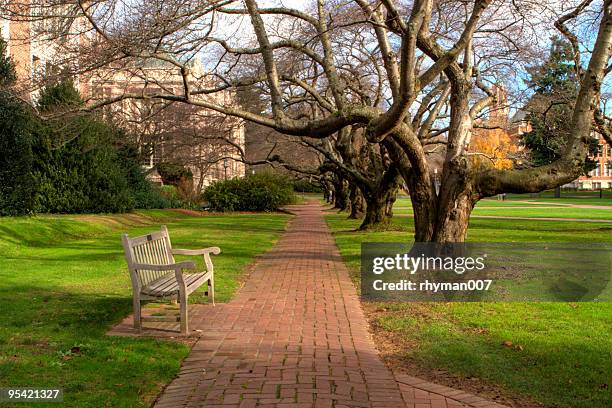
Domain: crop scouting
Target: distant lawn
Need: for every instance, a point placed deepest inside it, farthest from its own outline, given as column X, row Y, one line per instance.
column 537, row 212
column 527, row 200
column 583, row 213
column 64, row 283
column 579, row 195
column 528, row 209
column 560, row 353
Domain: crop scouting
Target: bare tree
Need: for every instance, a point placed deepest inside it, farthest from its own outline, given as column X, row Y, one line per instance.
column 434, row 63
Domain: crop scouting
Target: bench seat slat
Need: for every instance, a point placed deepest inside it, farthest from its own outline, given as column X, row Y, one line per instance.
column 168, row 286
column 159, row 285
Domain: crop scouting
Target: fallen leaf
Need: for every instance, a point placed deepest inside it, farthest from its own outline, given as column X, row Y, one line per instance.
column 507, row 343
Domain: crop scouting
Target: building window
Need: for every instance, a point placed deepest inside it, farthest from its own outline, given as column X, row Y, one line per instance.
column 597, row 169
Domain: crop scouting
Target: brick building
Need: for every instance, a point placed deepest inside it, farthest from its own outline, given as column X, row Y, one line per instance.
column 207, row 143
column 210, row 144
column 601, row 175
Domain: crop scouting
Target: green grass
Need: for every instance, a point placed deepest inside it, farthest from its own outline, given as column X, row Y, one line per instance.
column 580, row 213
column 536, row 212
column 528, row 209
column 580, row 195
column 528, row 202
column 560, row 353
column 64, row 283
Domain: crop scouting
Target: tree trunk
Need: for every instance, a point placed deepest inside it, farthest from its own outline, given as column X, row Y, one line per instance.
column 327, row 191
column 379, row 204
column 376, row 213
column 447, row 224
column 452, row 224
column 341, row 194
column 444, row 218
column 357, row 203
column 390, row 202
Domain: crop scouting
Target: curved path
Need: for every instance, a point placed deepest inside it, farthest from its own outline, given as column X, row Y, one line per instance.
column 295, row 336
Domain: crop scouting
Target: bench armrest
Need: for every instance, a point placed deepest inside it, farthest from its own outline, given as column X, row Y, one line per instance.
column 167, row 267
column 204, row 251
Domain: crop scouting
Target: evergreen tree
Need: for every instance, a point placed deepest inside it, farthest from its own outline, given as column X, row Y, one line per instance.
column 17, row 186
column 76, row 163
column 555, row 86
column 7, row 66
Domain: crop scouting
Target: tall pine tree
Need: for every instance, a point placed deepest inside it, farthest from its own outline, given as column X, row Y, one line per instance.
column 555, row 85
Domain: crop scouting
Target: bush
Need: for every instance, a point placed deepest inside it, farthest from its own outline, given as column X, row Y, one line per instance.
column 81, row 175
column 76, row 164
column 82, row 164
column 173, row 173
column 305, row 186
column 259, row 192
column 146, row 194
column 172, row 196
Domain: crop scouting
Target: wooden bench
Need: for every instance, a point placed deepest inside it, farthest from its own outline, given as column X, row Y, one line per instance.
column 156, row 276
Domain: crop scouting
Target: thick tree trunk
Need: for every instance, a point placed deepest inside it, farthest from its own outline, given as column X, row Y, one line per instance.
column 357, row 203
column 376, row 213
column 452, row 224
column 379, row 204
column 445, row 217
column 446, row 223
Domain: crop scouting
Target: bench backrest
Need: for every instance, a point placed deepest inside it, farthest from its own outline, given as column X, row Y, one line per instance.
column 155, row 249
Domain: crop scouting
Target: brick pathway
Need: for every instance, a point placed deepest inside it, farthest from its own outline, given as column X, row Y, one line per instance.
column 295, row 336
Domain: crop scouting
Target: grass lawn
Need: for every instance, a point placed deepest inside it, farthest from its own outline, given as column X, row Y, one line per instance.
column 528, row 209
column 560, row 353
column 64, row 283
column 570, row 195
column 536, row 212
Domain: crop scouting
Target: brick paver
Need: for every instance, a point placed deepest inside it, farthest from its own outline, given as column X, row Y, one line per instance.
column 295, row 336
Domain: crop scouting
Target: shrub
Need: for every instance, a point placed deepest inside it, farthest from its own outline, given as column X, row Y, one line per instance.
column 174, row 173
column 305, row 186
column 146, row 194
column 76, row 163
column 82, row 174
column 172, row 196
column 259, row 192
column 83, row 165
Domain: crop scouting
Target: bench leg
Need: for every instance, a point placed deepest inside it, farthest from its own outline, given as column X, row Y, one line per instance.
column 137, row 313
column 211, row 290
column 184, row 314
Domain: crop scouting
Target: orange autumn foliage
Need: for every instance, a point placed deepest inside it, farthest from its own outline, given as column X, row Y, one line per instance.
column 496, row 145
